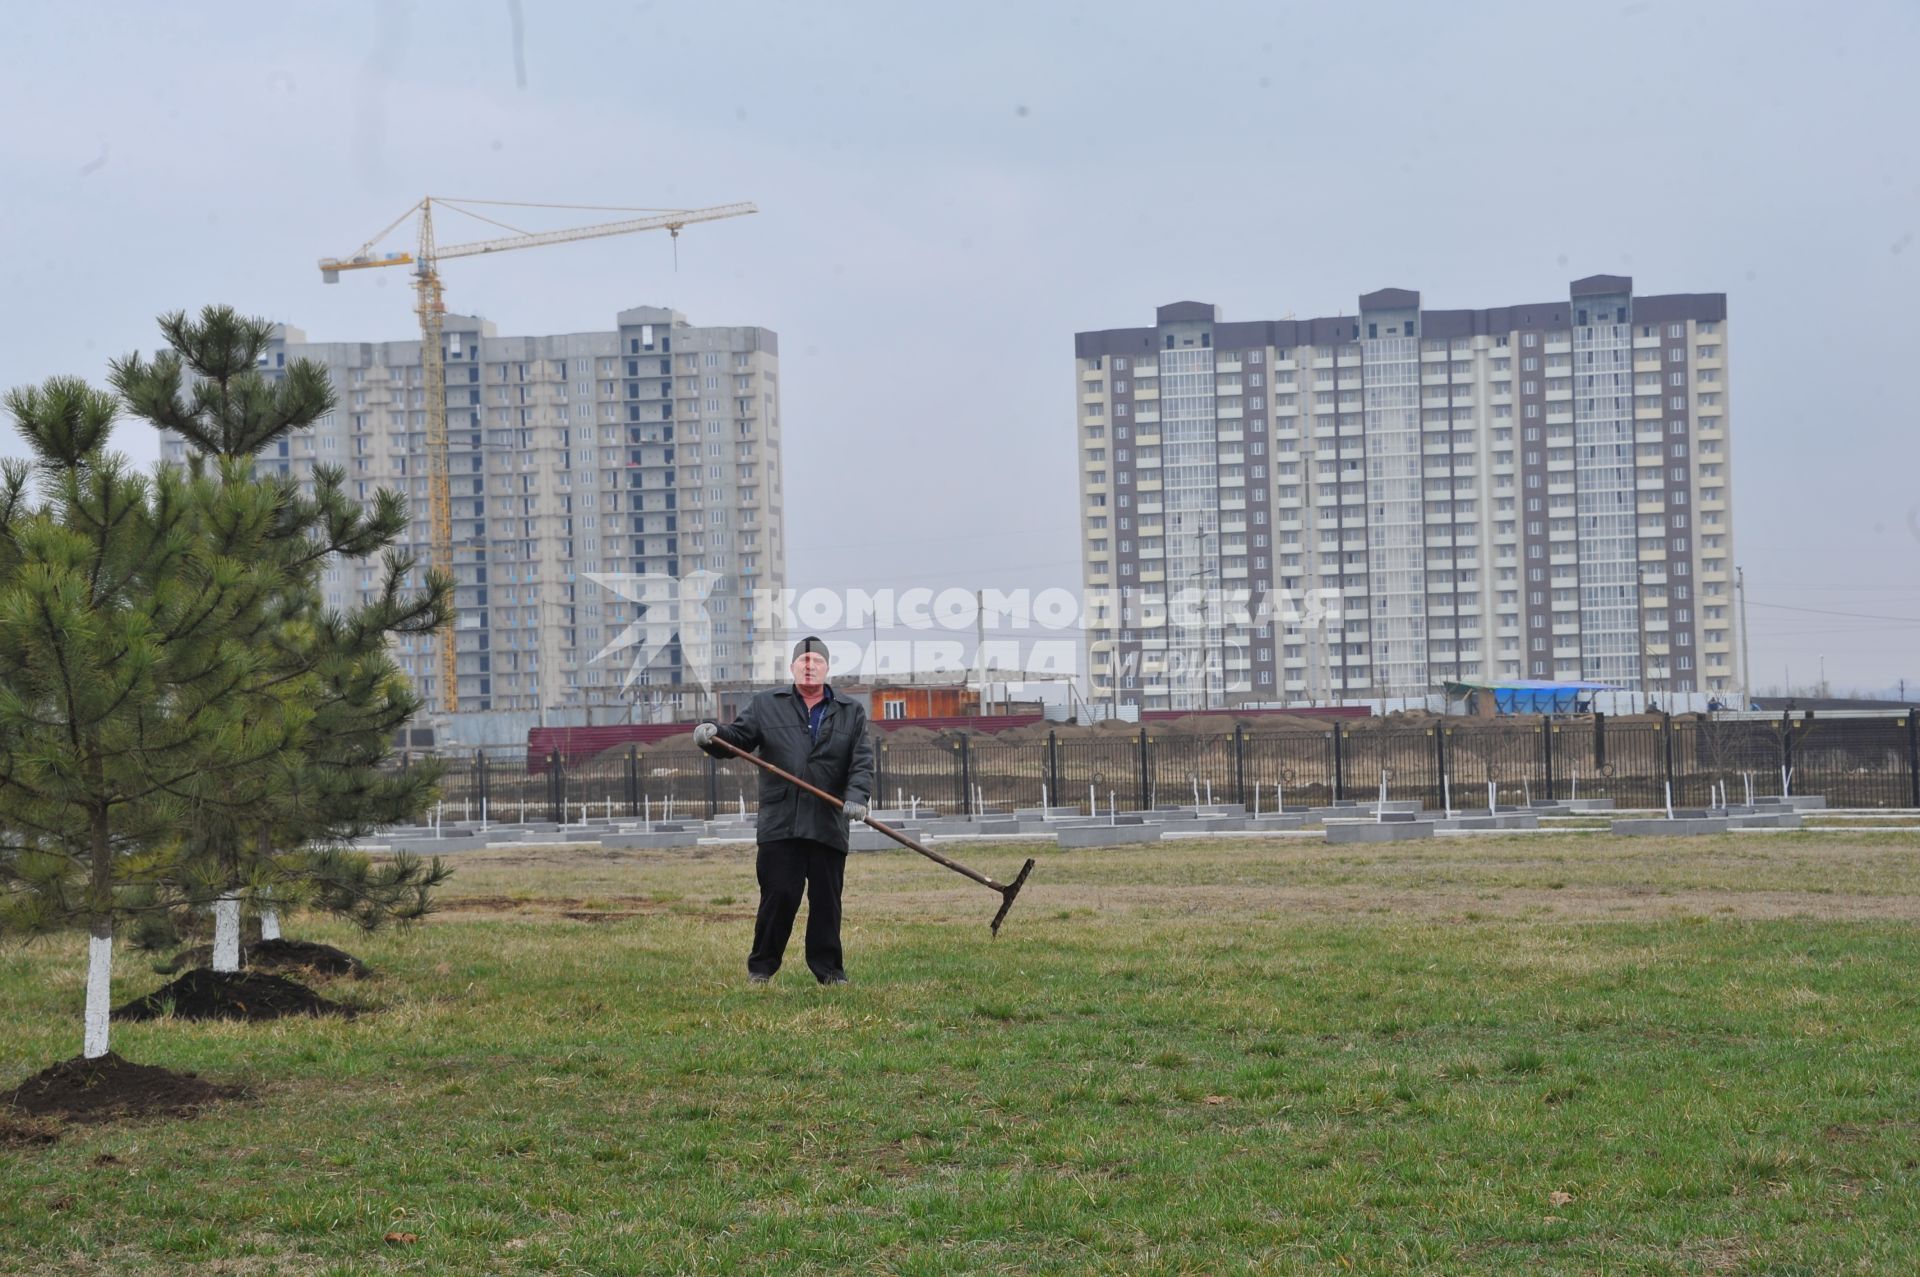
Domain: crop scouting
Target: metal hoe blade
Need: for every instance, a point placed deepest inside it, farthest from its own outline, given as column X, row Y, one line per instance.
column 1009, row 891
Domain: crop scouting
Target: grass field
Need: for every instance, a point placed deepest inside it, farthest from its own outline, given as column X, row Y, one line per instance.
column 1567, row 1054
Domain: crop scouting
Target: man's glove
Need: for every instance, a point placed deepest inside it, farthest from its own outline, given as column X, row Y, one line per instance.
column 703, row 734
column 855, row 811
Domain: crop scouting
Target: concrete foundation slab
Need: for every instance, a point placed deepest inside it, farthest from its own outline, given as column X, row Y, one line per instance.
column 1112, row 836
column 865, row 838
column 1675, row 828
column 1267, row 820
column 1373, row 831
column 635, row 842
column 1500, row 820
column 436, row 846
column 1798, row 802
column 1768, row 820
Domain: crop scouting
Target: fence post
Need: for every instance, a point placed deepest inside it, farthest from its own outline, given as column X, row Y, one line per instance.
column 1440, row 757
column 1053, row 768
column 1913, row 755
column 1547, row 730
column 1666, row 746
column 633, row 781
column 556, row 788
column 1599, row 741
column 1240, row 764
column 1339, row 765
column 1146, row 785
column 966, row 778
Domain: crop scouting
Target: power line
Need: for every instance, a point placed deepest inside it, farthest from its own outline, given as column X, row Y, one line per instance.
column 1821, row 611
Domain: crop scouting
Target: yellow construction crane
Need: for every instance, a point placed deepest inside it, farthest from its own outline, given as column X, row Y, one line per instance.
column 431, row 306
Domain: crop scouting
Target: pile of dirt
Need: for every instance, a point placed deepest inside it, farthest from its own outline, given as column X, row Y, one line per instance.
column 911, row 736
column 277, row 955
column 305, row 955
column 108, row 1088
column 248, row 995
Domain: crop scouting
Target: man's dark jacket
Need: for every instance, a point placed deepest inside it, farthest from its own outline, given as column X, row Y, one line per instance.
column 840, row 762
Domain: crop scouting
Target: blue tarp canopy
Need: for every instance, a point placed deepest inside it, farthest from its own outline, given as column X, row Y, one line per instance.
column 1534, row 696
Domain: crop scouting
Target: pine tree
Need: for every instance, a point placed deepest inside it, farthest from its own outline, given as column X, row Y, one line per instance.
column 132, row 609
column 282, row 847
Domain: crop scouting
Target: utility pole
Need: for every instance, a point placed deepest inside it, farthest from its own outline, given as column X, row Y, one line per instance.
column 1746, row 639
column 980, row 646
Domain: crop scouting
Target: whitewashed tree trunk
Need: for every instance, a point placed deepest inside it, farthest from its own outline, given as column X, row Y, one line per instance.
column 226, row 934
column 269, row 923
column 99, row 989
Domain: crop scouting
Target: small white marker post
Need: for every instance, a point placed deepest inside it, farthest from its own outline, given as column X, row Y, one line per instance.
column 1446, row 794
column 1196, row 793
column 1256, row 802
column 466, row 810
column 483, row 815
column 1113, row 805
column 1093, row 801
column 1493, row 796
column 436, row 820
column 1669, row 787
column 1279, row 798
column 1748, row 777
column 1209, row 792
column 1380, row 808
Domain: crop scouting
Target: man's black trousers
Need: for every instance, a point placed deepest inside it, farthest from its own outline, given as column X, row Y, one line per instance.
column 785, row 867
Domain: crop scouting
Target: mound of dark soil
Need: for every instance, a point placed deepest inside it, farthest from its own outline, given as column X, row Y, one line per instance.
column 276, row 955
column 248, row 995
column 108, row 1088
column 304, row 955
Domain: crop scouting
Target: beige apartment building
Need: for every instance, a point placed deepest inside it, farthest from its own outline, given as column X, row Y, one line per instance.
column 652, row 449
column 1538, row 491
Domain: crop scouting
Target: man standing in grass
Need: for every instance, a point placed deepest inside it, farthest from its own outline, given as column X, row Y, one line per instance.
column 821, row 738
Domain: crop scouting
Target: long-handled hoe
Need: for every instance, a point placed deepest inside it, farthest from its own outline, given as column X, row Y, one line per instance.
column 1007, row 890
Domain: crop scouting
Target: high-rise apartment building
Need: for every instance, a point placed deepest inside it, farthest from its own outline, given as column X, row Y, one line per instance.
column 1527, row 492
column 650, row 450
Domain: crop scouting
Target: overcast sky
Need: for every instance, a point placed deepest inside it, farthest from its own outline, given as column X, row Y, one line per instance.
column 949, row 192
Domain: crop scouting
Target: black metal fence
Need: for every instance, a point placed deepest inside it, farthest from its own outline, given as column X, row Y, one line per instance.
column 1852, row 762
